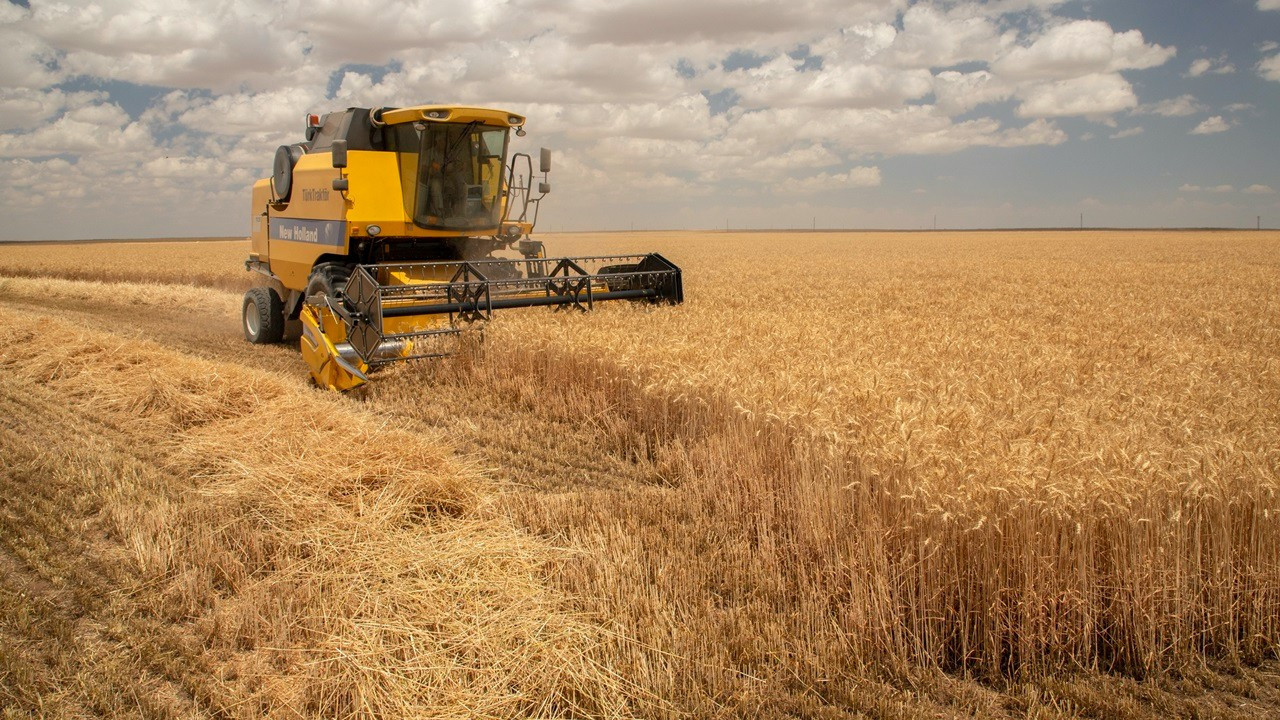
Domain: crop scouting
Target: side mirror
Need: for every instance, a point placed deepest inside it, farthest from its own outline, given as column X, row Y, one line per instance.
column 339, row 153
column 544, row 161
column 341, row 184
column 544, row 188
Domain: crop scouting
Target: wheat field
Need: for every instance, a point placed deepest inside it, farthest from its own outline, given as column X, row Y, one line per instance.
column 1015, row 474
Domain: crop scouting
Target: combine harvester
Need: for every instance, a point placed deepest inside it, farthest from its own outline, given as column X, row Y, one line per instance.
column 378, row 235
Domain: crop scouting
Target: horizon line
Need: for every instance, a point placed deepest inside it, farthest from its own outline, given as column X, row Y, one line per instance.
column 229, row 238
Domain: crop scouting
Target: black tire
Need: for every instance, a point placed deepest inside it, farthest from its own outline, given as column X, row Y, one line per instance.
column 328, row 279
column 262, row 316
column 282, row 172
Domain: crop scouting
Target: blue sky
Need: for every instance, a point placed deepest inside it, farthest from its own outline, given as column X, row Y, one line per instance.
column 131, row 118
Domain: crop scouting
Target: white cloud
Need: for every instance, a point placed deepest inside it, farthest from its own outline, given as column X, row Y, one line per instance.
column 617, row 88
column 1269, row 4
column 909, row 130
column 1211, row 126
column 855, row 85
column 1091, row 95
column 1079, row 48
column 801, row 158
column 173, row 43
column 957, row 92
column 932, row 37
column 1269, row 68
column 239, row 113
column 636, row 22
column 1036, row 132
column 24, row 108
column 1210, row 66
column 858, row 177
column 1219, row 189
column 84, row 135
column 26, row 61
column 1131, row 132
column 1259, row 189
column 1180, row 106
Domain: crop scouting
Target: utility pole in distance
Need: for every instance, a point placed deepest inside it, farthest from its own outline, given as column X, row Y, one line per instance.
column 1081, row 221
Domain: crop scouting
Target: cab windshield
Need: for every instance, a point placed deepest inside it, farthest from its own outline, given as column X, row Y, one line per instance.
column 460, row 175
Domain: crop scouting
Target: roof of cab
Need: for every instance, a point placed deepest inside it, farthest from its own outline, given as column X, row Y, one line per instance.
column 451, row 113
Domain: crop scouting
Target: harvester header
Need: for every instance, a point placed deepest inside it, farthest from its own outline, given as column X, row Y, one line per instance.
column 376, row 239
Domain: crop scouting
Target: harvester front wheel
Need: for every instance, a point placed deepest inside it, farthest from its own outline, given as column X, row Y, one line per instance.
column 263, row 316
column 328, row 279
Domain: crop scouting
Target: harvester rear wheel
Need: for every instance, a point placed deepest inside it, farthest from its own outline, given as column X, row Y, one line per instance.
column 263, row 316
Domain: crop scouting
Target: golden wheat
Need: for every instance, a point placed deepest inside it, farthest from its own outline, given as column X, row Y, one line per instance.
column 856, row 463
column 1004, row 457
column 321, row 563
column 215, row 262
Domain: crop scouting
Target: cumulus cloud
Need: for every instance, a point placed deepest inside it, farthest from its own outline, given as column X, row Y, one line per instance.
column 854, row 85
column 172, row 43
column 1094, row 96
column 909, row 130
column 1211, row 126
column 1078, row 48
column 1259, row 189
column 858, row 177
column 1210, row 66
column 1131, row 132
column 636, row 22
column 84, row 135
column 1219, row 189
column 678, row 98
column 933, row 37
column 238, row 113
column 1269, row 4
column 1181, row 106
column 957, row 92
column 26, row 61
column 1269, row 68
column 24, row 108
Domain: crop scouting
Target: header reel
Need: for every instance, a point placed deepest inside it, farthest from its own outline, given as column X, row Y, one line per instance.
column 391, row 312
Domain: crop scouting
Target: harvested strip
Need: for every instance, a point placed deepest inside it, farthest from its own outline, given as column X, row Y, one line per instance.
column 320, row 561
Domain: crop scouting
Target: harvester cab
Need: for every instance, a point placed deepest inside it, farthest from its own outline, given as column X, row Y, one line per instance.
column 375, row 238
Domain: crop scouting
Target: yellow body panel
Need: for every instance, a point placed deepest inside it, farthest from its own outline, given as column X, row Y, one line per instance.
column 258, row 248
column 382, row 194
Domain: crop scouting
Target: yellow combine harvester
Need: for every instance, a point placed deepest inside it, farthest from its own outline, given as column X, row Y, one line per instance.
column 377, row 235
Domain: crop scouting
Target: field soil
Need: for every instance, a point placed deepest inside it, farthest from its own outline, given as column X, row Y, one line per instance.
column 891, row 475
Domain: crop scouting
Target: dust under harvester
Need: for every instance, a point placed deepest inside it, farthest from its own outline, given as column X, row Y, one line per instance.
column 375, row 239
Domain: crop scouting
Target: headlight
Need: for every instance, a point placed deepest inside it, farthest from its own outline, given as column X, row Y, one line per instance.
column 374, row 230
